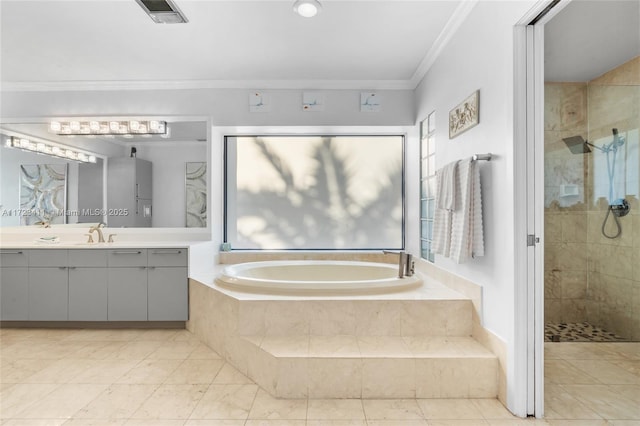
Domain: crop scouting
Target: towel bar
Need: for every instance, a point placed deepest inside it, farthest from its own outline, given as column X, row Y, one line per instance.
column 477, row 157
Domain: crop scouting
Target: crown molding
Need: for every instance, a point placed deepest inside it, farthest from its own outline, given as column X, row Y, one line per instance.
column 450, row 28
column 63, row 86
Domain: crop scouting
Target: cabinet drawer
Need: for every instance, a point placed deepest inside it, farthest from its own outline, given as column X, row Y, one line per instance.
column 88, row 258
column 45, row 258
column 168, row 257
column 127, row 257
column 9, row 258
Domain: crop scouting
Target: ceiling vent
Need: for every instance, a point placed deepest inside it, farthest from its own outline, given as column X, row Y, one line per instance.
column 163, row 11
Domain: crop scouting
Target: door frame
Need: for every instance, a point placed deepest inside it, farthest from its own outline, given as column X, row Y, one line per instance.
column 529, row 207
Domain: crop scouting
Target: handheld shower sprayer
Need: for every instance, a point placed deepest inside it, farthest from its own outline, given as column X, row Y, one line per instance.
column 618, row 207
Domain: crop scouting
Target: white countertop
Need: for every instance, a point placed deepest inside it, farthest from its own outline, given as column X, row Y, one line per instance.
column 14, row 245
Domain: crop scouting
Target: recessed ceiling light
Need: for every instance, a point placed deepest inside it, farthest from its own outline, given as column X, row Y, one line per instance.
column 163, row 11
column 307, row 8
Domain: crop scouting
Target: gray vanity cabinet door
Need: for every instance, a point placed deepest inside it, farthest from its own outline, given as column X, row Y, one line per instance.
column 48, row 293
column 48, row 285
column 87, row 294
column 127, row 294
column 14, row 285
column 14, row 294
column 88, row 285
column 168, row 294
column 168, row 284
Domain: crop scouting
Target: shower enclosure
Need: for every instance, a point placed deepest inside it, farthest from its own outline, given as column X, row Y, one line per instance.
column 592, row 209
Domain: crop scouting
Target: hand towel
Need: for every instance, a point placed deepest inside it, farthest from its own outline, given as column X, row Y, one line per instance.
column 446, row 186
column 467, row 237
column 445, row 203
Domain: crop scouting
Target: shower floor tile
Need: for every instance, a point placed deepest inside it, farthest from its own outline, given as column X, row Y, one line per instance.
column 578, row 332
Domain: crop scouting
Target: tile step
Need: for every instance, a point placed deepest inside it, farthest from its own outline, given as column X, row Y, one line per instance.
column 372, row 367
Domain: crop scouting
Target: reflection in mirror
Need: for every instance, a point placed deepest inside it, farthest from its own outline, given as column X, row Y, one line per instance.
column 38, row 187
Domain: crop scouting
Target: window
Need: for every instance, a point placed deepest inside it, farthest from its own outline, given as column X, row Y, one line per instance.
column 314, row 192
column 427, row 185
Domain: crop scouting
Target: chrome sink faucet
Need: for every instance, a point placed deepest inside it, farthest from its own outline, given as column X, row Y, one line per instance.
column 98, row 228
column 406, row 266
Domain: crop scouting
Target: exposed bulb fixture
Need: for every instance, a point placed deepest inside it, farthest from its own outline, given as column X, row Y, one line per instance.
column 49, row 149
column 307, row 8
column 127, row 128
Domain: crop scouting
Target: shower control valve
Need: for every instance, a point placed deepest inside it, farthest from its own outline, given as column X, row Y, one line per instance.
column 620, row 207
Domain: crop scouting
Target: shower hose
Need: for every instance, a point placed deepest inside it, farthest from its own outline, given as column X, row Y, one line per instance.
column 611, row 170
column 615, row 218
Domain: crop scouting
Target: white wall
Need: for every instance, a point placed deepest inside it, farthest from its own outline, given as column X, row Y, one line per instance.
column 226, row 107
column 481, row 56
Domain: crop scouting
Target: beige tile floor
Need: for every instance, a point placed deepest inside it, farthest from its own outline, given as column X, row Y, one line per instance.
column 169, row 378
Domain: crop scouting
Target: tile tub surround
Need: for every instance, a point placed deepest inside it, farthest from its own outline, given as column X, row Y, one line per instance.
column 402, row 345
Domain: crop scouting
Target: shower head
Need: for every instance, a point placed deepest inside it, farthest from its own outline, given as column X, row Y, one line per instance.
column 577, row 145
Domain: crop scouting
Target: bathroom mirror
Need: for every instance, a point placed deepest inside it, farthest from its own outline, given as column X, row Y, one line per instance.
column 78, row 192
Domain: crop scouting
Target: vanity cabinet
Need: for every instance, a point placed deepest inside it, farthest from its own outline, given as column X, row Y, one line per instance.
column 94, row 285
column 127, row 286
column 48, row 285
column 88, row 285
column 167, row 284
column 14, row 285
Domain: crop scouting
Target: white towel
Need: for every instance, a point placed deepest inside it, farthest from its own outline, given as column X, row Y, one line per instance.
column 445, row 203
column 446, row 186
column 467, row 237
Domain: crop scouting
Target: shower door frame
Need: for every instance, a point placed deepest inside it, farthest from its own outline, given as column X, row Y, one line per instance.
column 529, row 206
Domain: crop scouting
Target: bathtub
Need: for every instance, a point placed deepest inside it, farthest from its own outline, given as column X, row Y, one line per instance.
column 315, row 277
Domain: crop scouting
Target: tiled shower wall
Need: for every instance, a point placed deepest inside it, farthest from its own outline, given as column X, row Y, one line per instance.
column 589, row 277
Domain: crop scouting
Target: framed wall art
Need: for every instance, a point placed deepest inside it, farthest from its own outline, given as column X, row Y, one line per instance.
column 196, row 194
column 43, row 193
column 465, row 115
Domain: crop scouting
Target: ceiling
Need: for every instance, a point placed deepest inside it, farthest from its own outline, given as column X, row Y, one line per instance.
column 378, row 44
column 588, row 38
column 351, row 44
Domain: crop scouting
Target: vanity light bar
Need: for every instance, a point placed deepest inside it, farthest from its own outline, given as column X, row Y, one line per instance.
column 111, row 127
column 45, row 148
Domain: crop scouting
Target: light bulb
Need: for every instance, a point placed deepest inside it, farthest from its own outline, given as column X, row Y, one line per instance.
column 307, row 8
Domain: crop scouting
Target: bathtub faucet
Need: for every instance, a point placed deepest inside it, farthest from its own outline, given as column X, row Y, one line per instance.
column 405, row 263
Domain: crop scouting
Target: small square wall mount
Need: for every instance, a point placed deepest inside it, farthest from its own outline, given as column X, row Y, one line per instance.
column 313, row 101
column 370, row 102
column 259, row 102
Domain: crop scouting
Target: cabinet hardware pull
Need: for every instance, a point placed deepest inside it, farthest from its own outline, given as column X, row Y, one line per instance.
column 152, row 267
column 127, row 252
column 72, row 267
column 143, row 267
column 167, row 252
column 62, row 267
column 11, row 252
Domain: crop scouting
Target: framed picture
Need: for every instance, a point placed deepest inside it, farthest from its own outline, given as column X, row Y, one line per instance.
column 196, row 194
column 465, row 115
column 43, row 193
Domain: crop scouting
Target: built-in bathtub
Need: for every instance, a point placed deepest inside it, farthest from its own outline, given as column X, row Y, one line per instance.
column 315, row 277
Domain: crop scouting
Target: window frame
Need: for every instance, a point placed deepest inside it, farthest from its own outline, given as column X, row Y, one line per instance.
column 427, row 173
column 226, row 189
